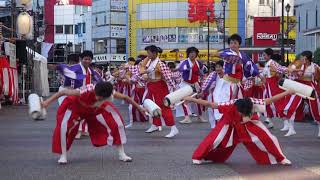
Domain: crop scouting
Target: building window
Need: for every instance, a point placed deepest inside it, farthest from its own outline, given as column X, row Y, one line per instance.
column 99, row 46
column 316, row 17
column 77, row 29
column 121, row 46
column 59, row 29
column 307, row 20
column 83, row 27
column 261, row 2
column 77, row 48
column 84, row 46
column 299, row 23
column 68, row 29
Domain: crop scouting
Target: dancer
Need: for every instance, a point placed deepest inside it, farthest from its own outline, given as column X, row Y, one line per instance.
column 191, row 70
column 76, row 76
column 306, row 72
column 94, row 104
column 237, row 65
column 240, row 124
column 157, row 75
column 209, row 86
column 138, row 91
column 272, row 73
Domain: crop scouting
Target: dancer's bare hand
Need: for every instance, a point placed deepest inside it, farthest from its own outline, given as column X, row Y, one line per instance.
column 291, row 91
column 143, row 110
column 44, row 104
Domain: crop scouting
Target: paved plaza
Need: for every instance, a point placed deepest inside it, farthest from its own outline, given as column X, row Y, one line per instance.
column 25, row 153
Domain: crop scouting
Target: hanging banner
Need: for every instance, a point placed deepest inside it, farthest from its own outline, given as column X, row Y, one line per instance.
column 10, row 50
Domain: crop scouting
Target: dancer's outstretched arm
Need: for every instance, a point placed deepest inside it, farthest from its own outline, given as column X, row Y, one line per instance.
column 279, row 96
column 130, row 100
column 201, row 102
column 54, row 97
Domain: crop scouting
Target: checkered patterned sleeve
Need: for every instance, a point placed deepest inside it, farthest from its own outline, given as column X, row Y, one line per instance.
column 167, row 75
column 279, row 69
column 229, row 57
column 208, row 81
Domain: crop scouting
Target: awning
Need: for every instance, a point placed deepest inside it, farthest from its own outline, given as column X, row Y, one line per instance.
column 311, row 32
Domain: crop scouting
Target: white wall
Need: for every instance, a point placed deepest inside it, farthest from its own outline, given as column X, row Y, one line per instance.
column 279, row 6
column 73, row 15
column 255, row 9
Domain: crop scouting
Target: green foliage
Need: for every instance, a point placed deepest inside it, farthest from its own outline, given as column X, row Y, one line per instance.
column 317, row 56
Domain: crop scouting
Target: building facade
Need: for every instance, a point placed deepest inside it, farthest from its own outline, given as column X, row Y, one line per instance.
column 109, row 31
column 179, row 24
column 264, row 8
column 308, row 30
column 72, row 26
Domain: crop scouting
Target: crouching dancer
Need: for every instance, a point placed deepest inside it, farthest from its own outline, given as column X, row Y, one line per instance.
column 240, row 124
column 94, row 104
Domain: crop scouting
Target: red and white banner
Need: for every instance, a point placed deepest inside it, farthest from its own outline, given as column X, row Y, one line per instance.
column 8, row 80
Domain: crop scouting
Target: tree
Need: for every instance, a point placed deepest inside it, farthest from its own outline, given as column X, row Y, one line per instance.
column 317, row 56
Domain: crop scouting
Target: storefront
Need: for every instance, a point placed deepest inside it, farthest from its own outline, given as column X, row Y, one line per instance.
column 180, row 24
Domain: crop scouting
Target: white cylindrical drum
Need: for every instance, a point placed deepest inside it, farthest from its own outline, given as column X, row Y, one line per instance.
column 153, row 109
column 300, row 89
column 178, row 95
column 35, row 110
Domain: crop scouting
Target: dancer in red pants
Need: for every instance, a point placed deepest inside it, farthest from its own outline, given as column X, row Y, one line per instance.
column 93, row 104
column 240, row 124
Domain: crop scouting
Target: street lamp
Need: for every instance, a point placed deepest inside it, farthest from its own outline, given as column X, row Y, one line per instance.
column 208, row 15
column 288, row 10
column 224, row 4
column 282, row 31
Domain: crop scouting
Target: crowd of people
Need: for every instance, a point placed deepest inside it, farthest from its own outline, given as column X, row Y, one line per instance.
column 236, row 93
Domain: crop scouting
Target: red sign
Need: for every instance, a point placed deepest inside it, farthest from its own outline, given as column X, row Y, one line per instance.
column 265, row 31
column 198, row 10
column 81, row 2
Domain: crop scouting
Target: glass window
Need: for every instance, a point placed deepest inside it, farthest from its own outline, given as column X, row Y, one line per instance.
column 155, row 35
column 83, row 27
column 84, row 9
column 193, row 35
column 316, row 17
column 59, row 29
column 99, row 46
column 190, row 35
column 77, row 29
column 78, row 10
column 163, row 35
column 146, row 35
column 307, row 20
column 183, row 35
column 261, row 2
column 172, row 35
column 121, row 46
column 68, row 29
